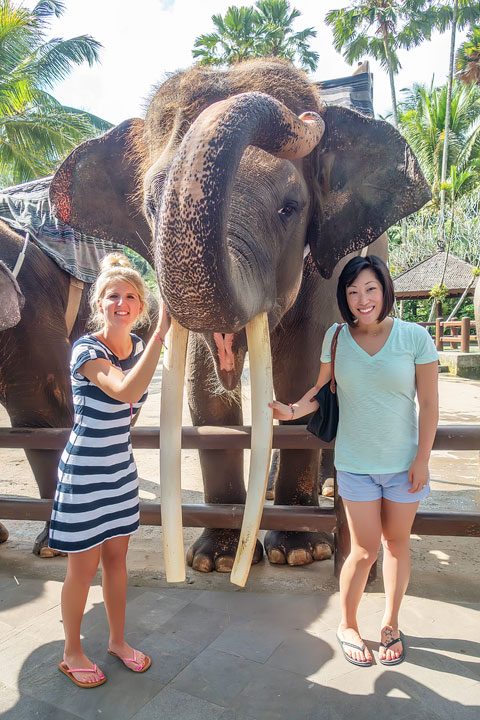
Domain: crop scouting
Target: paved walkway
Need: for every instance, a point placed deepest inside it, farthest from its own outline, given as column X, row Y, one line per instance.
column 237, row 655
column 266, row 653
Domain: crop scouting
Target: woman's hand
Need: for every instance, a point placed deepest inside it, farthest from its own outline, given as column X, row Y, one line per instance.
column 281, row 411
column 418, row 474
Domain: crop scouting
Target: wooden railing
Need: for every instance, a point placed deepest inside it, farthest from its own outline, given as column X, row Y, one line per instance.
column 456, row 333
column 298, row 518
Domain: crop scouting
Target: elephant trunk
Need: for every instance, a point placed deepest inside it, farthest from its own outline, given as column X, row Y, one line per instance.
column 207, row 285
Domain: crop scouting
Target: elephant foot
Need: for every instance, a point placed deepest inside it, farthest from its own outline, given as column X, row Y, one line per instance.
column 40, row 546
column 3, row 533
column 216, row 549
column 297, row 548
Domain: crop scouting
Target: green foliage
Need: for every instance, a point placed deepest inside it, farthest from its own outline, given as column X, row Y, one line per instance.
column 144, row 268
column 439, row 292
column 419, row 310
column 419, row 239
column 262, row 31
column 379, row 29
column 36, row 131
column 421, row 119
column 467, row 60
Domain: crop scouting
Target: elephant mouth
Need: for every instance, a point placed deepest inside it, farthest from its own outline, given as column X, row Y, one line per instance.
column 228, row 352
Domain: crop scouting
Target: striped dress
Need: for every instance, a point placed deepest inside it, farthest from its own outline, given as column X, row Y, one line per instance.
column 97, row 491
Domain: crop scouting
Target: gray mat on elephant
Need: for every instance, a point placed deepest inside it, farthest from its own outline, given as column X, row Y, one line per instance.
column 354, row 92
column 26, row 208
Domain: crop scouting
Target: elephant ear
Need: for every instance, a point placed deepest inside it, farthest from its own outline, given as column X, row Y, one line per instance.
column 368, row 179
column 12, row 299
column 95, row 189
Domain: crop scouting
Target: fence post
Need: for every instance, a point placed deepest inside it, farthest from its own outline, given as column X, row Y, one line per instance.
column 465, row 335
column 438, row 334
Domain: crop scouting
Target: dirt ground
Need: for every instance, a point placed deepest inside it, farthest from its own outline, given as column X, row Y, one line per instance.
column 443, row 567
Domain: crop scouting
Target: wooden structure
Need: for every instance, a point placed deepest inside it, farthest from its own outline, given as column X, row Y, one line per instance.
column 456, row 333
column 298, row 518
column 417, row 282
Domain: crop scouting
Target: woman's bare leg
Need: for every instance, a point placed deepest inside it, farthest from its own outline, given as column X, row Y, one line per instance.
column 397, row 521
column 115, row 581
column 365, row 528
column 81, row 569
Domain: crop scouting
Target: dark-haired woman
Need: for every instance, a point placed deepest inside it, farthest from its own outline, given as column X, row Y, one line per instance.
column 382, row 448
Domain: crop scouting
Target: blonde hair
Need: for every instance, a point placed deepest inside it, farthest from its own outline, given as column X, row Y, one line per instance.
column 113, row 267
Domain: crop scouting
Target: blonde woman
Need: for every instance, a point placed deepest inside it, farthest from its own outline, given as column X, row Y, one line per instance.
column 96, row 506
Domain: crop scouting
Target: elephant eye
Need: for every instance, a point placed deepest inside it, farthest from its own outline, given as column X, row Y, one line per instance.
column 287, row 210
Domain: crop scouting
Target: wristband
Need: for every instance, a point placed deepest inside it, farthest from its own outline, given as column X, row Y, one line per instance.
column 292, row 410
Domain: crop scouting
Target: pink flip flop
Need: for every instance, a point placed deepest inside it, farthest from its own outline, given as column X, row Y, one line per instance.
column 141, row 667
column 63, row 667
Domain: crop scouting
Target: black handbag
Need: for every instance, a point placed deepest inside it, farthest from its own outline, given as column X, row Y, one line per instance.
column 324, row 422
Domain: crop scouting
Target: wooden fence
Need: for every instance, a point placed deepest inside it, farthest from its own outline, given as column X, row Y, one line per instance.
column 456, row 333
column 298, row 518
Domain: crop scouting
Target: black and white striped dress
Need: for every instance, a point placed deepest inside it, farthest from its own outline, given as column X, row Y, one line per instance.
column 97, row 490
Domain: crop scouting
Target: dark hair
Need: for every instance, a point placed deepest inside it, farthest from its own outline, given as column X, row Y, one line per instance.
column 350, row 273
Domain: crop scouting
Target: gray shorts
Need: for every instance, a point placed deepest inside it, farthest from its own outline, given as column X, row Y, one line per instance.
column 365, row 488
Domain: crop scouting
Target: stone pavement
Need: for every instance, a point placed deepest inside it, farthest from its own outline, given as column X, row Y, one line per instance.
column 234, row 654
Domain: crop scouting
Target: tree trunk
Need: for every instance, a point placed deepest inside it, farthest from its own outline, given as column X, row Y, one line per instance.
column 390, row 75
column 441, row 222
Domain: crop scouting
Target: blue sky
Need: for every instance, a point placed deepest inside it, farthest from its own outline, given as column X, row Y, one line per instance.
column 144, row 39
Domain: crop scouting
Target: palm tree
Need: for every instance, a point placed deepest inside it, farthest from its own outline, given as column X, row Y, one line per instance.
column 453, row 14
column 277, row 39
column 378, row 29
column 467, row 60
column 234, row 38
column 36, row 131
column 422, row 118
column 261, row 31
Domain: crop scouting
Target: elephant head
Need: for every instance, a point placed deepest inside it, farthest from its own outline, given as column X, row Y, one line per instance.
column 234, row 186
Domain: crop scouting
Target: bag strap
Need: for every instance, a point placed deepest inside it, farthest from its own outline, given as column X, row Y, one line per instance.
column 333, row 352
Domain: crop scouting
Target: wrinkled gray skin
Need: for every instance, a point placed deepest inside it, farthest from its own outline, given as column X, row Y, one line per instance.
column 35, row 353
column 230, row 217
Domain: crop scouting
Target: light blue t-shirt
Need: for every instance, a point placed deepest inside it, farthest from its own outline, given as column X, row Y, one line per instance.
column 378, row 428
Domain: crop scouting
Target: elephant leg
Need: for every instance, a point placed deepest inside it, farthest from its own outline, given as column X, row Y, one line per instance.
column 43, row 401
column 44, row 464
column 222, row 470
column 298, row 471
column 297, row 484
column 272, row 475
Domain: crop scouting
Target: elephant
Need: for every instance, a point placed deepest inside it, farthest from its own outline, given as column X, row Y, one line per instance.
column 254, row 192
column 35, row 352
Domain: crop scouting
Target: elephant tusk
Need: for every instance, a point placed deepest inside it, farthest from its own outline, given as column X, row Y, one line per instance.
column 258, row 338
column 170, row 451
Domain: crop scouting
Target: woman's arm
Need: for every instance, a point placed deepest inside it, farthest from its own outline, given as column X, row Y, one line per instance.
column 426, row 376
column 129, row 388
column 304, row 406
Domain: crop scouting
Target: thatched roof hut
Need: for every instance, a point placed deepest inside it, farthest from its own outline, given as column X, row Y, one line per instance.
column 417, row 282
